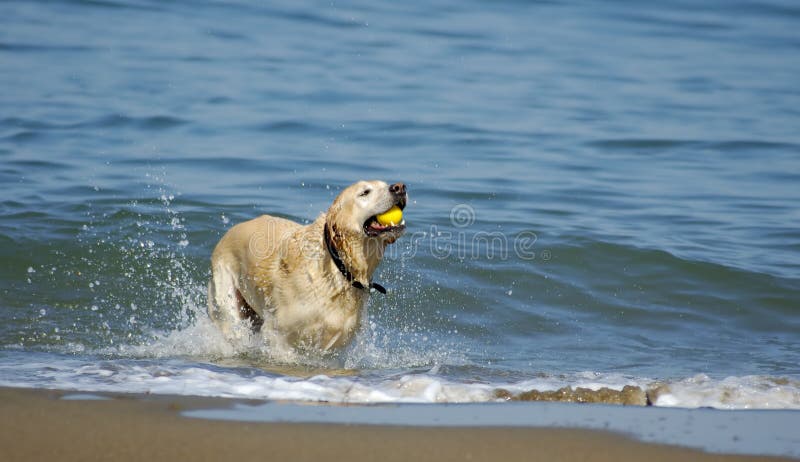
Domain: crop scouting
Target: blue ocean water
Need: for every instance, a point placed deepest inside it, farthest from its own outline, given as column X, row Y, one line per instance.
column 601, row 193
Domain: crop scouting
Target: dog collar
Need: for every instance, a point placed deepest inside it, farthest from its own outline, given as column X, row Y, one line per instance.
column 337, row 260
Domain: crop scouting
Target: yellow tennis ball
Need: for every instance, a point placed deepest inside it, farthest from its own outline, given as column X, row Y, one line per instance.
column 391, row 217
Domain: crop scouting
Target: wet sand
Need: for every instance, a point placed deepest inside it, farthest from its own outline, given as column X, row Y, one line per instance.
column 40, row 425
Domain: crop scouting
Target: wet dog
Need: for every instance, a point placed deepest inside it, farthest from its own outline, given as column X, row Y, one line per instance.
column 305, row 286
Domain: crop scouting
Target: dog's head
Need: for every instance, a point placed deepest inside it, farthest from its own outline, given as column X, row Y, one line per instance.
column 355, row 211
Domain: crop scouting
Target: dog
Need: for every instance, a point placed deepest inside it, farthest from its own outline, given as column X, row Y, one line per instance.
column 305, row 287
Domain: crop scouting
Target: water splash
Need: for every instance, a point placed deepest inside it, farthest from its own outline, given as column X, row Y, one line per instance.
column 141, row 293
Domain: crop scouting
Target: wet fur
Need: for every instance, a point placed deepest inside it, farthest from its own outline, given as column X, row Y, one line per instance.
column 276, row 276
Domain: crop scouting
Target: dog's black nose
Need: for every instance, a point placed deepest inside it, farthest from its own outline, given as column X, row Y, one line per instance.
column 398, row 188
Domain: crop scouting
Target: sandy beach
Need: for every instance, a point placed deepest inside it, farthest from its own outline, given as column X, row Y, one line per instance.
column 40, row 425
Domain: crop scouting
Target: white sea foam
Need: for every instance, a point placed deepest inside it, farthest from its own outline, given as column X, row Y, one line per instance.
column 748, row 392
column 182, row 377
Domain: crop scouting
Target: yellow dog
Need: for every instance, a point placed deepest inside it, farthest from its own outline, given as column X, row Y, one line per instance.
column 306, row 286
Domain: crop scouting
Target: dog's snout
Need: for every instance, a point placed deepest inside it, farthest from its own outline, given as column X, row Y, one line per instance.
column 398, row 188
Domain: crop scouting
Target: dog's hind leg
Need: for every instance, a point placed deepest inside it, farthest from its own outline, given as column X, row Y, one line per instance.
column 225, row 302
column 226, row 305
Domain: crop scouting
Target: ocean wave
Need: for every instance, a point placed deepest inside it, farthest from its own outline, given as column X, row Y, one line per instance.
column 33, row 126
column 175, row 376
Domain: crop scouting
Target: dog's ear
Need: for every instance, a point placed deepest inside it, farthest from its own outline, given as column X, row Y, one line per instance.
column 336, row 214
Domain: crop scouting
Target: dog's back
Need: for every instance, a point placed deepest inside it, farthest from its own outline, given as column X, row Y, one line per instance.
column 240, row 265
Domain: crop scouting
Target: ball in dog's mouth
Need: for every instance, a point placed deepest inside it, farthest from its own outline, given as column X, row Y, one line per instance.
column 391, row 217
column 388, row 221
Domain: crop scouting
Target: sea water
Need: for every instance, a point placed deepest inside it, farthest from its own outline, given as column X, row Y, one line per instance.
column 602, row 194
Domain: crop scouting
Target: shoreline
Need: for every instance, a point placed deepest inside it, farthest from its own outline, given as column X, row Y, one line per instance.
column 36, row 424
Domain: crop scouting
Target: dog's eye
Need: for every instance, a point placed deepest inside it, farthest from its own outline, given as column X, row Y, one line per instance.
column 365, row 192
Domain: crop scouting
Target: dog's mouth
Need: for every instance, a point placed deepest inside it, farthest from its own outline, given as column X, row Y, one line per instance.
column 373, row 228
